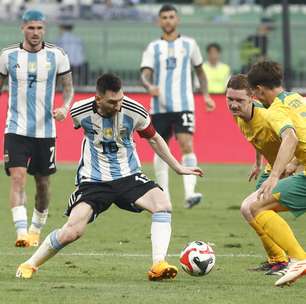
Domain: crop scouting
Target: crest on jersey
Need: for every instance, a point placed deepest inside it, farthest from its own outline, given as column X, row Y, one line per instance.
column 32, row 67
column 107, row 133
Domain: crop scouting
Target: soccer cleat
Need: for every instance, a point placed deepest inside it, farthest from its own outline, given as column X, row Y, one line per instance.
column 264, row 266
column 22, row 241
column 33, row 239
column 25, row 271
column 193, row 200
column 279, row 269
column 161, row 271
column 294, row 272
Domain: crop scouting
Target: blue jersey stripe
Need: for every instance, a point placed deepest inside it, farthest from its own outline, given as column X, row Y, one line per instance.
column 95, row 174
column 114, row 165
column 49, row 93
column 12, row 66
column 81, row 165
column 156, row 75
column 132, row 160
column 169, row 80
column 31, row 94
column 184, row 76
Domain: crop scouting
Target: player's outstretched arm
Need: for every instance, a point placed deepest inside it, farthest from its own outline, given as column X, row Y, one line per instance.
column 60, row 114
column 161, row 149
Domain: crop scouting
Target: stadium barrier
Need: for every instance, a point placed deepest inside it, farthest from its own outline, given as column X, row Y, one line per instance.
column 217, row 138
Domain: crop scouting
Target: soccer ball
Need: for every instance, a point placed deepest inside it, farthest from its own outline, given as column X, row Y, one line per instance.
column 197, row 258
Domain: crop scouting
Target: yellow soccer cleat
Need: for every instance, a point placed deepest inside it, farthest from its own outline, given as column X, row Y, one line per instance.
column 33, row 239
column 25, row 271
column 161, row 271
column 22, row 241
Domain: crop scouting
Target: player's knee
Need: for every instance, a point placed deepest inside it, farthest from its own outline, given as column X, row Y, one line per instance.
column 42, row 184
column 163, row 206
column 70, row 234
column 17, row 179
column 245, row 209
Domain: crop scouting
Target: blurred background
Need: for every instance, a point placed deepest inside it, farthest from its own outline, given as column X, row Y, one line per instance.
column 110, row 35
column 113, row 33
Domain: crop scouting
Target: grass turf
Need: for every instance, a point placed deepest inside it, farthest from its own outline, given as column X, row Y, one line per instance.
column 109, row 264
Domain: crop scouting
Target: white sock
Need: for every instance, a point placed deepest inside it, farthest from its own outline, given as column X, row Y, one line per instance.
column 160, row 235
column 49, row 248
column 39, row 219
column 189, row 160
column 20, row 219
column 161, row 174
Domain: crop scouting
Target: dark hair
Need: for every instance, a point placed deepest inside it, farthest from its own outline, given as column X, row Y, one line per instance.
column 266, row 73
column 214, row 45
column 239, row 82
column 167, row 8
column 108, row 82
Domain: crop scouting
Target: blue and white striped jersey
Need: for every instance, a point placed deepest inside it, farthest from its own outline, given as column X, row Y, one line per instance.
column 171, row 62
column 108, row 150
column 32, row 79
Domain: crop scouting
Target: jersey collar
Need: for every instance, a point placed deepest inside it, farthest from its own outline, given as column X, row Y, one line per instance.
column 42, row 47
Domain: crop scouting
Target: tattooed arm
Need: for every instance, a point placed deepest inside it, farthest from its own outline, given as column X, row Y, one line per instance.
column 60, row 114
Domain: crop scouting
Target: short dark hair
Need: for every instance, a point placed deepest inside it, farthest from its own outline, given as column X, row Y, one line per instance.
column 214, row 45
column 108, row 82
column 266, row 73
column 167, row 8
column 239, row 82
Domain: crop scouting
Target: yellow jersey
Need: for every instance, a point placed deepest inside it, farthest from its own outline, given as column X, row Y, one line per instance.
column 260, row 134
column 288, row 110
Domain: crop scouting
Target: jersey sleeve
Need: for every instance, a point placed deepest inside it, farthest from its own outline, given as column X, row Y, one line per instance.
column 196, row 56
column 279, row 118
column 63, row 64
column 3, row 65
column 148, row 58
column 75, row 119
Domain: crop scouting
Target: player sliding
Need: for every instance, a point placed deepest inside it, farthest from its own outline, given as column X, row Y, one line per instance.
column 109, row 171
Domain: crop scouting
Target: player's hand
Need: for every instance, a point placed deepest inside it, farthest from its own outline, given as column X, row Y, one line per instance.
column 210, row 103
column 60, row 114
column 190, row 171
column 290, row 169
column 153, row 90
column 265, row 191
column 255, row 171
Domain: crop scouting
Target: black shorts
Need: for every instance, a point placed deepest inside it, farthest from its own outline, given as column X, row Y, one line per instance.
column 175, row 122
column 35, row 154
column 122, row 192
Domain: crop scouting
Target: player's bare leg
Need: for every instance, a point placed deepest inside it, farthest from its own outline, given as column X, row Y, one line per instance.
column 18, row 176
column 189, row 159
column 40, row 212
column 57, row 239
column 156, row 202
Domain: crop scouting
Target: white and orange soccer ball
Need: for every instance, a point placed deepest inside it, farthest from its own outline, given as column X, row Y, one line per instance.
column 197, row 258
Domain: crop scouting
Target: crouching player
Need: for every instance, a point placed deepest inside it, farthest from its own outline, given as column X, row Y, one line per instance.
column 109, row 171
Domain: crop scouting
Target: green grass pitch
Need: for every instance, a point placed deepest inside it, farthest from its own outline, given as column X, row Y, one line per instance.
column 109, row 264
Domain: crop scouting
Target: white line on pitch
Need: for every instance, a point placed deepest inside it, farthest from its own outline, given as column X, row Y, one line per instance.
column 130, row 255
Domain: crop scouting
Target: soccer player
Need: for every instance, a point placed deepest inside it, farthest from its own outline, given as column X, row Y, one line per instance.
column 250, row 116
column 109, row 171
column 286, row 115
column 166, row 74
column 32, row 68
